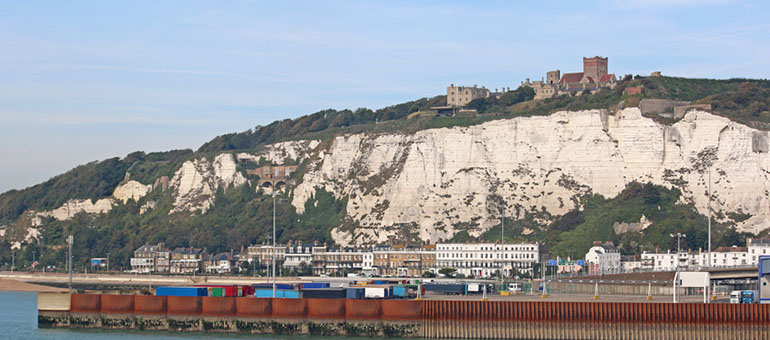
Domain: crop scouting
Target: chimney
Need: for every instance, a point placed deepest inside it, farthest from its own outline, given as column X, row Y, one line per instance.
column 474, row 86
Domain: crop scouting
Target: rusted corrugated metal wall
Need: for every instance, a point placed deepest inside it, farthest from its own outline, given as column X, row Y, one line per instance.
column 426, row 309
column 595, row 311
column 470, row 319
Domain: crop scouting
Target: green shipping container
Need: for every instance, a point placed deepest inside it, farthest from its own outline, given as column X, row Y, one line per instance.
column 218, row 292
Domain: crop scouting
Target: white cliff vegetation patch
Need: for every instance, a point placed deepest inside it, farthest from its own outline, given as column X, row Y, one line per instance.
column 277, row 153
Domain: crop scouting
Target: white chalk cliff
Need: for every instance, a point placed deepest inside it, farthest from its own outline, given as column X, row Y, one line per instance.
column 440, row 181
column 434, row 183
column 196, row 182
column 131, row 190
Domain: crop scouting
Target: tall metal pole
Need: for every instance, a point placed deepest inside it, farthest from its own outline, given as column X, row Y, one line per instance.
column 709, row 216
column 273, row 250
column 13, row 259
column 69, row 263
column 502, row 248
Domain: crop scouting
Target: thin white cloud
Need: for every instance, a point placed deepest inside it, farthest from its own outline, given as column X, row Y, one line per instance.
column 663, row 4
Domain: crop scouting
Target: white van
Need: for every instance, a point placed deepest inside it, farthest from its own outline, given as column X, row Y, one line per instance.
column 514, row 287
column 735, row 296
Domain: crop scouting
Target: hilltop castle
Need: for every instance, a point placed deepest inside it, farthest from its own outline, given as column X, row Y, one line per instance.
column 593, row 77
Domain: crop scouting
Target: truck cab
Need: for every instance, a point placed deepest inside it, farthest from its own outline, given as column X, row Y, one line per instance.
column 735, row 296
column 747, row 296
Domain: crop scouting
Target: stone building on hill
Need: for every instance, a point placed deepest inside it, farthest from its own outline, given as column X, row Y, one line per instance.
column 595, row 76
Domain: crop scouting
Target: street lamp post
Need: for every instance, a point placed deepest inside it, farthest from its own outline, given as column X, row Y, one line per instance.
column 709, row 216
column 273, row 248
column 70, row 239
column 678, row 236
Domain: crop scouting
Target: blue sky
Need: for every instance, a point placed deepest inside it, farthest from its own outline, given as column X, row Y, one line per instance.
column 83, row 81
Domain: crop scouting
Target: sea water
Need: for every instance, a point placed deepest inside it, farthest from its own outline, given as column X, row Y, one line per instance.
column 18, row 320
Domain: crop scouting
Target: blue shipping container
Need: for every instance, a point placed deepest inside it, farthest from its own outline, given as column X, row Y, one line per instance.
column 315, row 285
column 399, row 291
column 285, row 294
column 181, row 291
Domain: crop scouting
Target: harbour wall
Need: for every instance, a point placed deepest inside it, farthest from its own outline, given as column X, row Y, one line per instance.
column 408, row 318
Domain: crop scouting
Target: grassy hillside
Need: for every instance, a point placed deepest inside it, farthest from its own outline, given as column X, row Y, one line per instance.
column 242, row 216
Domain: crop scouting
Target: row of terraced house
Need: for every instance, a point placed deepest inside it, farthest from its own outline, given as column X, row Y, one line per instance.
column 397, row 260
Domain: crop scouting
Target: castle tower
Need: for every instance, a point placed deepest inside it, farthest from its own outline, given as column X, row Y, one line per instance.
column 553, row 77
column 595, row 67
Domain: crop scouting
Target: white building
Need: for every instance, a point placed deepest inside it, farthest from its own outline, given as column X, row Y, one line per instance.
column 726, row 257
column 603, row 258
column 484, row 259
column 298, row 253
column 368, row 267
column 667, row 262
column 757, row 247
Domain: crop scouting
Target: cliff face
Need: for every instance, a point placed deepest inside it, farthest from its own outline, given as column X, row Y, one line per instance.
column 435, row 183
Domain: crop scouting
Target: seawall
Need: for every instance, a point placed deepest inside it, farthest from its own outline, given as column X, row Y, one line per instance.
column 408, row 318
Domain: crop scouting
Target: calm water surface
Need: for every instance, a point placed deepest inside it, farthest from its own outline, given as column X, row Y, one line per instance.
column 18, row 320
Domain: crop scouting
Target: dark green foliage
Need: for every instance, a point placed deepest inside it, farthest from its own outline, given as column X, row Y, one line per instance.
column 691, row 89
column 493, row 104
column 327, row 120
column 239, row 217
column 149, row 167
column 748, row 104
column 574, row 233
column 90, row 181
column 93, row 180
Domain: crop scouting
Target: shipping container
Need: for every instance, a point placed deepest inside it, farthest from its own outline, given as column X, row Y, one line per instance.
column 314, row 285
column 285, row 294
column 284, row 286
column 377, row 293
column 228, row 290
column 474, row 288
column 399, row 291
column 181, row 291
column 324, row 293
column 354, row 293
column 216, row 291
column 447, row 288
